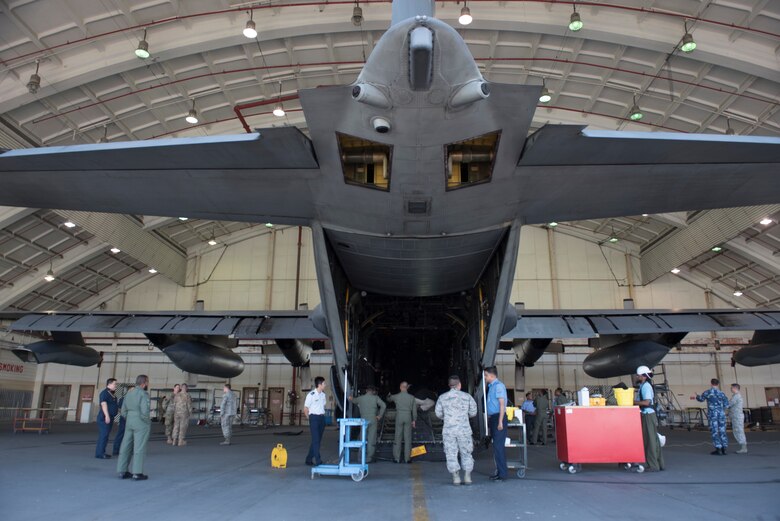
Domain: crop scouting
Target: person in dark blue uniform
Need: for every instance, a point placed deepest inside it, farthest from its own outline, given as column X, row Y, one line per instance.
column 314, row 408
column 105, row 419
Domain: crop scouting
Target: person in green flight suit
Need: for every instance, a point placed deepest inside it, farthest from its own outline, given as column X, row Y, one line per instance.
column 372, row 408
column 405, row 420
column 136, row 409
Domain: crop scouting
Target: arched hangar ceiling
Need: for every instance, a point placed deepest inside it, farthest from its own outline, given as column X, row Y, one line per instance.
column 93, row 87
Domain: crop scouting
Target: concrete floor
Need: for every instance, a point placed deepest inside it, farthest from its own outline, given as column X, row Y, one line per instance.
column 55, row 477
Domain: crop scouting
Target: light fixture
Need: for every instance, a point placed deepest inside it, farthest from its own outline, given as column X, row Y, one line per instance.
column 675, row 270
column 575, row 22
column 613, row 240
column 766, row 221
column 142, row 51
column 357, row 14
column 545, row 95
column 49, row 274
column 115, row 250
column 250, row 30
column 183, row 219
column 737, row 292
column 104, row 139
column 729, row 130
column 645, row 214
column 279, row 109
column 212, row 242
column 269, row 225
column 635, row 114
column 192, row 115
column 553, row 224
column 152, row 271
column 687, row 44
column 69, row 224
column 465, row 17
column 35, row 81
column 717, row 249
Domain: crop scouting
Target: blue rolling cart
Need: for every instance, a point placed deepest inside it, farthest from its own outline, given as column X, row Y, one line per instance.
column 357, row 470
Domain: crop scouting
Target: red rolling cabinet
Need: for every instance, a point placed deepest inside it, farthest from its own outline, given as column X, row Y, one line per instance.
column 598, row 435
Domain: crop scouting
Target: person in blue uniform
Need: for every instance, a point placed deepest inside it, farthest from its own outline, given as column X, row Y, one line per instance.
column 497, row 421
column 107, row 411
column 314, row 409
column 717, row 402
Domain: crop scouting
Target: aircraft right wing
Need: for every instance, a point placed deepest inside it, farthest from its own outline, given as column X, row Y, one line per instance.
column 261, row 177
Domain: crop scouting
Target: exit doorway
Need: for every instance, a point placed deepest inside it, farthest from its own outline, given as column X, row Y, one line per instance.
column 56, row 397
column 276, row 403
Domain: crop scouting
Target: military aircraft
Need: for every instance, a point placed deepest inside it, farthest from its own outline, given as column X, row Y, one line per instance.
column 415, row 181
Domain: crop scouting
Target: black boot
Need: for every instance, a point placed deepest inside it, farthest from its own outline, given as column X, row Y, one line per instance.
column 723, row 451
column 715, row 452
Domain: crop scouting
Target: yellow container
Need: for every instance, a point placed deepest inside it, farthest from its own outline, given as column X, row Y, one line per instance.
column 279, row 457
column 624, row 397
column 419, row 451
column 510, row 413
column 598, row 402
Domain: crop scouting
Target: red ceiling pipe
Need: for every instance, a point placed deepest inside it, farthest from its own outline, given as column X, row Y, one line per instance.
column 238, row 108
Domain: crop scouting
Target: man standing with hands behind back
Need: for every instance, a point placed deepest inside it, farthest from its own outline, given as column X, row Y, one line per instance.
column 314, row 409
column 105, row 418
column 496, row 411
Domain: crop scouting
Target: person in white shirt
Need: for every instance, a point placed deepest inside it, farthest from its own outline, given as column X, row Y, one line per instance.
column 314, row 408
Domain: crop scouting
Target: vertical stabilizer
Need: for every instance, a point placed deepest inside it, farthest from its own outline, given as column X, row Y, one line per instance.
column 403, row 9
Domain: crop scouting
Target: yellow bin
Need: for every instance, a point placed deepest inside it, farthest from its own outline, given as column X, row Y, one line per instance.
column 624, row 397
column 510, row 413
column 598, row 402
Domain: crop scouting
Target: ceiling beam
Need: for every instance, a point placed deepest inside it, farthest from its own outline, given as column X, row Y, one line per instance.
column 127, row 234
column 755, row 252
column 11, row 214
column 712, row 228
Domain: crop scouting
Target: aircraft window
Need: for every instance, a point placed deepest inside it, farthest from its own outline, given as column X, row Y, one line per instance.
column 470, row 162
column 364, row 162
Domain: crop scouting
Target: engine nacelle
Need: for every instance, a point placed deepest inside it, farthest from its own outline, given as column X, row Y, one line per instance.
column 529, row 350
column 623, row 358
column 296, row 352
column 758, row 355
column 51, row 351
column 370, row 95
column 206, row 359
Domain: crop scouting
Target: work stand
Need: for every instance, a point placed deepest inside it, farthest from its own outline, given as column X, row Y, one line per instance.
column 358, row 470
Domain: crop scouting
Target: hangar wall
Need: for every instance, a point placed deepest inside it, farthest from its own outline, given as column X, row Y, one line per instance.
column 260, row 273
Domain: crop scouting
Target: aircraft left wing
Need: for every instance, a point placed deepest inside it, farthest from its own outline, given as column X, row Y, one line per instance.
column 197, row 342
column 570, row 172
column 261, row 177
column 626, row 339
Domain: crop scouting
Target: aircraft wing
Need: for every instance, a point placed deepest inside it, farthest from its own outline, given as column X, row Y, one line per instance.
column 597, row 323
column 264, row 176
column 569, row 173
column 260, row 325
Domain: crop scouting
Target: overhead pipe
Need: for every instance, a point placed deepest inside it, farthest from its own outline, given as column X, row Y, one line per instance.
column 328, row 3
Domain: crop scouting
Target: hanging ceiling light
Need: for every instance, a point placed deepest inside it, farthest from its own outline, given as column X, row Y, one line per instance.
column 269, row 225
column 69, row 224
column 575, row 22
column 545, row 95
column 729, row 130
column 613, row 240
column 716, row 249
column 142, row 51
column 687, row 44
column 635, row 114
column 104, row 139
column 357, row 14
column 183, row 219
column 115, row 250
column 250, row 30
column 766, row 221
column 35, row 81
column 49, row 274
column 192, row 115
column 152, row 271
column 737, row 292
column 675, row 270
column 465, row 17
column 552, row 224
column 212, row 242
column 279, row 109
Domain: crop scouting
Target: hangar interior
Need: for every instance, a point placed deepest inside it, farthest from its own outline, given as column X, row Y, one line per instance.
column 70, row 75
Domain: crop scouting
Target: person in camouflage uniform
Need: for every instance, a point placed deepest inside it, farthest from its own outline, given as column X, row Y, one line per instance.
column 182, row 408
column 372, row 408
column 227, row 411
column 169, row 410
column 716, row 415
column 737, row 417
column 456, row 407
